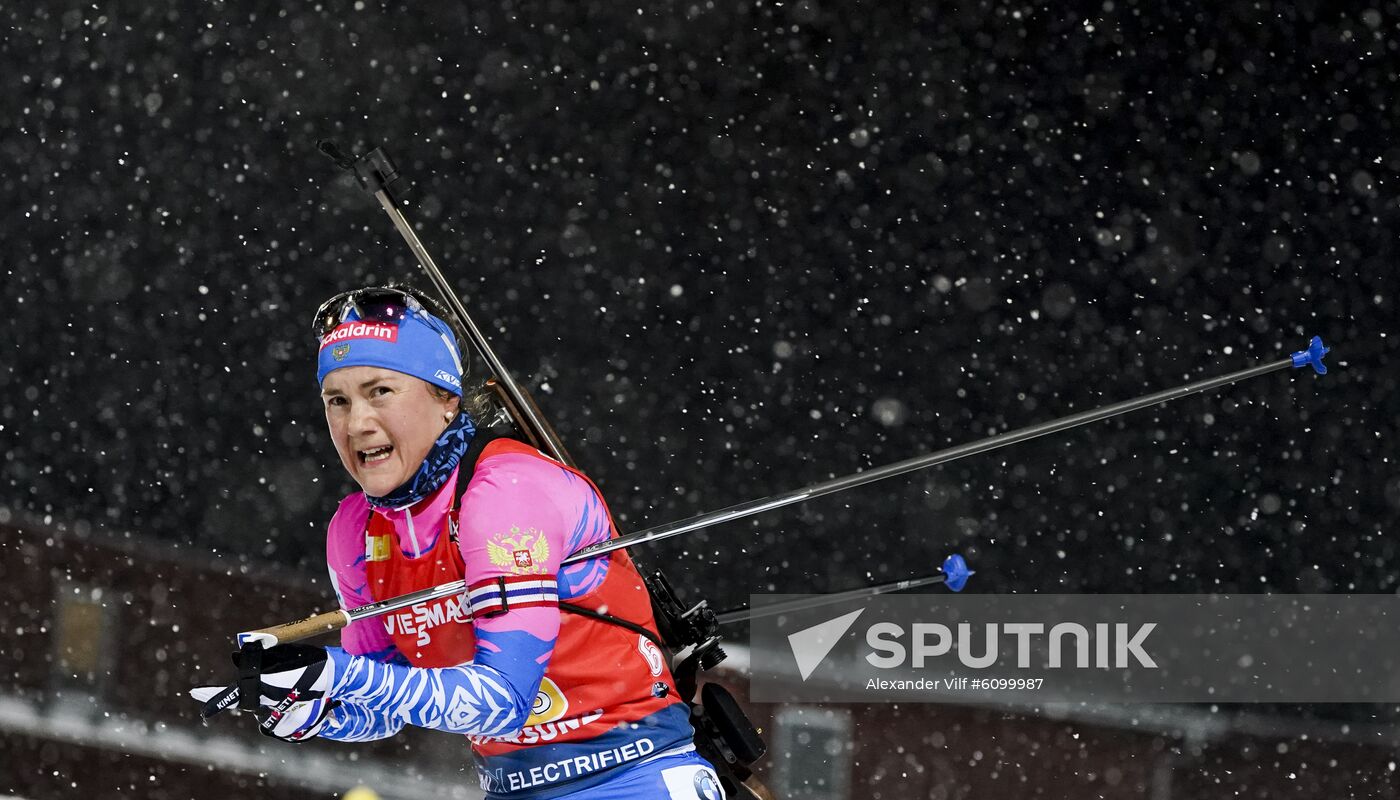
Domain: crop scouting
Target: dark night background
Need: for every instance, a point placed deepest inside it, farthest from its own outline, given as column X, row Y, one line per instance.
column 733, row 249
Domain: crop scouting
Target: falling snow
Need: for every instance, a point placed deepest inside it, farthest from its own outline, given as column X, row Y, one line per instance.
column 734, row 250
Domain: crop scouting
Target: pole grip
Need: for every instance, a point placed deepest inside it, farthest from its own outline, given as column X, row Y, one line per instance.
column 295, row 631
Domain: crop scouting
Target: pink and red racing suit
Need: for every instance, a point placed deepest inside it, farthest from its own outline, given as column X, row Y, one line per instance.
column 552, row 702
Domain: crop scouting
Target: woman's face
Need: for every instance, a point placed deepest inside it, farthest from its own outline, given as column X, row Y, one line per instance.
column 383, row 424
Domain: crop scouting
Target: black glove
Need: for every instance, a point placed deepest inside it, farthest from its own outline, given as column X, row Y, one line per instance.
column 292, row 681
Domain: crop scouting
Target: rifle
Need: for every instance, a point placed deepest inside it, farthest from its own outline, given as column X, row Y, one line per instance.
column 723, row 733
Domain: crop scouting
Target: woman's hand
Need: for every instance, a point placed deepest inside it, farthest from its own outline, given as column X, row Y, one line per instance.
column 292, row 680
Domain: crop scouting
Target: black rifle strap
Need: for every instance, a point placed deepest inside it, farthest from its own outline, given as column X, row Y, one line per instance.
column 618, row 621
column 467, row 466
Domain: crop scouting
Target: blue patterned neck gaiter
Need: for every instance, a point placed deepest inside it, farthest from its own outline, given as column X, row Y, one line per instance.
column 436, row 468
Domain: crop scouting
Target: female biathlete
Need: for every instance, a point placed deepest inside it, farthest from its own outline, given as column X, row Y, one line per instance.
column 555, row 705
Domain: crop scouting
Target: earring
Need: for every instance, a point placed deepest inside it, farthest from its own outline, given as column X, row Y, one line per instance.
column 447, row 417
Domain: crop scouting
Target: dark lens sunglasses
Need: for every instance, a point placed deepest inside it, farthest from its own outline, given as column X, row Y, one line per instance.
column 375, row 304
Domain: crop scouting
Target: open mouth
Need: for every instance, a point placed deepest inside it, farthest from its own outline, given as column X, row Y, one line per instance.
column 376, row 454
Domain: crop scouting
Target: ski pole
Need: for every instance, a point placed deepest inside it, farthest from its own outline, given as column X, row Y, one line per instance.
column 955, row 573
column 1303, row 358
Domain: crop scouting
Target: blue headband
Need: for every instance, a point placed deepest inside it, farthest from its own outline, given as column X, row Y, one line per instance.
column 418, row 344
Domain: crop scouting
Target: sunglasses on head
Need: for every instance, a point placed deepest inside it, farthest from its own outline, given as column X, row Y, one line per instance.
column 373, row 304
